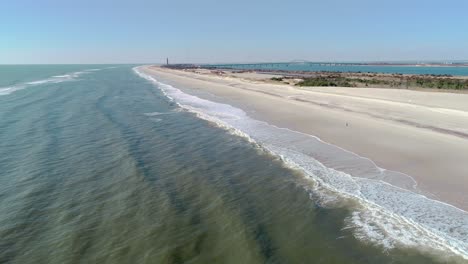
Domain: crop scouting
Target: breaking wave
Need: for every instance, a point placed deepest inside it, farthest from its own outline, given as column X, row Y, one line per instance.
column 54, row 79
column 387, row 208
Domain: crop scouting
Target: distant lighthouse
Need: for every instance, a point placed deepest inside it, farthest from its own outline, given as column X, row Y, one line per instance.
column 167, row 61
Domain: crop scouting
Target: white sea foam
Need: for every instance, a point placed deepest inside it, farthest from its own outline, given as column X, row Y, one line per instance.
column 152, row 114
column 40, row 82
column 54, row 79
column 387, row 208
column 11, row 89
column 62, row 76
column 159, row 113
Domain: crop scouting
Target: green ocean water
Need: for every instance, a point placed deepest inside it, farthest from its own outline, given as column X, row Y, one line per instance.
column 14, row 74
column 102, row 168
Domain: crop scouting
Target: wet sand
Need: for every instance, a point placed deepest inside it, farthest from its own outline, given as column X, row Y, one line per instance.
column 422, row 134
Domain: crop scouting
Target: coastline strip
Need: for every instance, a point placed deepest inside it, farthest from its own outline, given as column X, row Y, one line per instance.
column 390, row 222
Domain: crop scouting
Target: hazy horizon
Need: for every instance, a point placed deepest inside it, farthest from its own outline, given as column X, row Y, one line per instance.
column 141, row 32
column 249, row 62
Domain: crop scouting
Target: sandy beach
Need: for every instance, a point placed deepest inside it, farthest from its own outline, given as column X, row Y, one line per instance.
column 422, row 134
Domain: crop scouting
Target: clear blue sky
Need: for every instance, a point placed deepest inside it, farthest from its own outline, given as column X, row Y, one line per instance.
column 94, row 31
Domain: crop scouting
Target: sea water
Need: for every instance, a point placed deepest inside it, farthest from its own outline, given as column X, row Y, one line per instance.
column 99, row 165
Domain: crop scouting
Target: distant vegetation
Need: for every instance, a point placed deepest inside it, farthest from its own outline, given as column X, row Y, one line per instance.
column 440, row 83
column 326, row 81
column 278, row 79
column 381, row 81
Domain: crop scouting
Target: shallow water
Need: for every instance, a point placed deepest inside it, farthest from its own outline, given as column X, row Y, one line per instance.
column 102, row 167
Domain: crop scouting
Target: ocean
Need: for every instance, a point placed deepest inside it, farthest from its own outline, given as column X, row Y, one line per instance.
column 346, row 67
column 100, row 165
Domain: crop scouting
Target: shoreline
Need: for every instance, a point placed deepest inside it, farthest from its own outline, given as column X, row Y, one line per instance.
column 417, row 142
column 385, row 209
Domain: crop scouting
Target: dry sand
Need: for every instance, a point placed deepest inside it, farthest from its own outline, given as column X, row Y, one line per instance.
column 422, row 134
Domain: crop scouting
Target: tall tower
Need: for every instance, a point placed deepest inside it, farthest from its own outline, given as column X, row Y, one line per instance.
column 167, row 61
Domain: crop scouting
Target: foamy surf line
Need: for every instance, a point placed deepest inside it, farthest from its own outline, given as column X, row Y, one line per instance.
column 388, row 215
column 53, row 79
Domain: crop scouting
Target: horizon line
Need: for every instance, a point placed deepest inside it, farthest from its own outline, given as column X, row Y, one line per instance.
column 255, row 62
